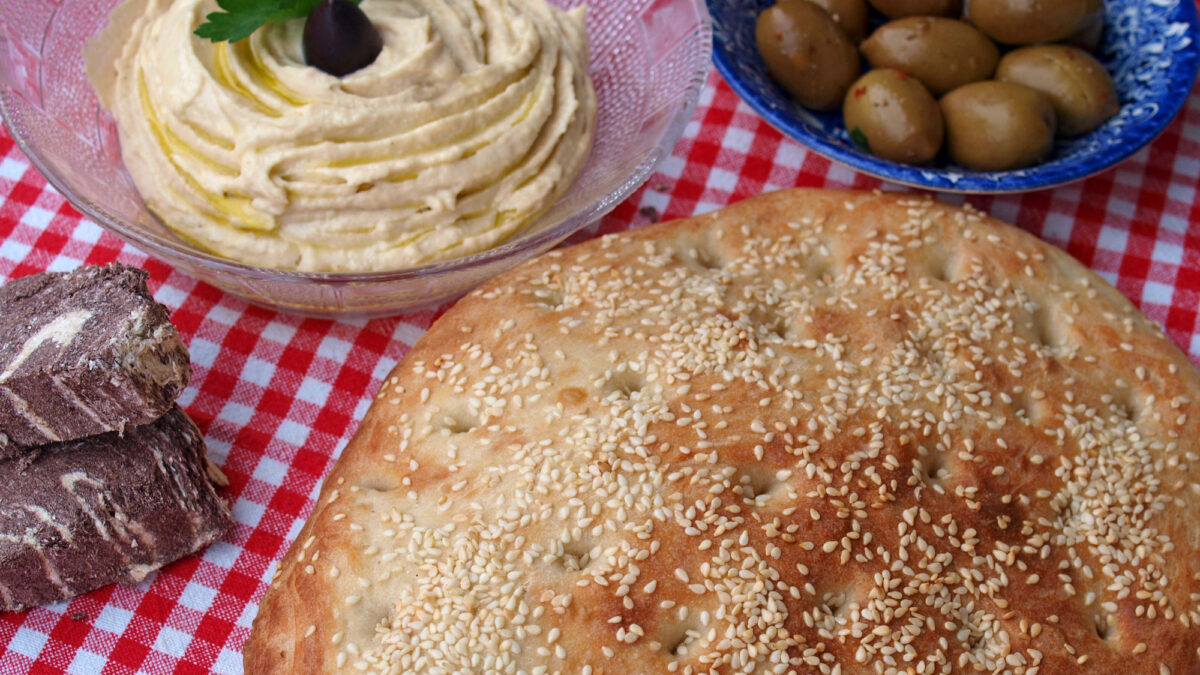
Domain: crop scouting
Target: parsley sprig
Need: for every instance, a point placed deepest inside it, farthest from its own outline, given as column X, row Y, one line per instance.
column 240, row 18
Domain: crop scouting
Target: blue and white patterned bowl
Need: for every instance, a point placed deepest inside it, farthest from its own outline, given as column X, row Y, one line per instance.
column 1151, row 47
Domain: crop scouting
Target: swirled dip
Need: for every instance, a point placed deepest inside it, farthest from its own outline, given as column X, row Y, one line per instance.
column 474, row 119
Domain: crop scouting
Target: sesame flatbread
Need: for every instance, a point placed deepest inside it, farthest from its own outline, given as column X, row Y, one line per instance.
column 813, row 432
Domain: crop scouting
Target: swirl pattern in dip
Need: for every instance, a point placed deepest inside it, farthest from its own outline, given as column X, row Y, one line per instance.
column 473, row 120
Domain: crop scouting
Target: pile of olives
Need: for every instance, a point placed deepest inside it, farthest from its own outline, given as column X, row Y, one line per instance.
column 992, row 111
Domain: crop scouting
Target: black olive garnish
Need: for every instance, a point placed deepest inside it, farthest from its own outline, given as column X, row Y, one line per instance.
column 339, row 38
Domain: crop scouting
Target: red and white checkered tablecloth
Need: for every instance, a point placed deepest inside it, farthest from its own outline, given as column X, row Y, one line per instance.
column 278, row 396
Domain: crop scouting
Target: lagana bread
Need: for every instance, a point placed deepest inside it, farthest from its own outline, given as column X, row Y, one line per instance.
column 813, row 432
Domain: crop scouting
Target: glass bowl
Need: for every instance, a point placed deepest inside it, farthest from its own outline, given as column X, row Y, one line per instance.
column 1151, row 47
column 649, row 60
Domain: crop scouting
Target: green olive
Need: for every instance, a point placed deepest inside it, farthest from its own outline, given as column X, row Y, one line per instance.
column 1078, row 87
column 1022, row 22
column 851, row 15
column 894, row 9
column 943, row 54
column 998, row 126
column 1089, row 35
column 807, row 53
column 894, row 116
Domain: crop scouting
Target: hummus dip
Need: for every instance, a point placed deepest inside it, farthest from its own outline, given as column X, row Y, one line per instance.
column 473, row 120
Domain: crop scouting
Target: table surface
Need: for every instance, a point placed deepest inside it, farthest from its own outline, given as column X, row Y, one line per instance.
column 278, row 396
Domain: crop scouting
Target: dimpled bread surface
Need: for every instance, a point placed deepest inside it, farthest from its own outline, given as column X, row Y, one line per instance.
column 812, row 432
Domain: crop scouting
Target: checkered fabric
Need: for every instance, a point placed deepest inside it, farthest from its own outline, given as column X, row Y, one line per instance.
column 278, row 396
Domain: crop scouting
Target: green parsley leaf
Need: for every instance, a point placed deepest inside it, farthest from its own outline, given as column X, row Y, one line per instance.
column 240, row 18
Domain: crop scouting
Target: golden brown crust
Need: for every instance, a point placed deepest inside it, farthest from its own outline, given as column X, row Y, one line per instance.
column 812, row 432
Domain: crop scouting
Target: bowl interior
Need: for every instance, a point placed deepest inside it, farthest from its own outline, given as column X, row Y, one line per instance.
column 1150, row 47
column 648, row 63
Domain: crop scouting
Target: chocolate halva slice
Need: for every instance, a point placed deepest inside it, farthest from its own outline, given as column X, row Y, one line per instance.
column 84, row 352
column 87, row 513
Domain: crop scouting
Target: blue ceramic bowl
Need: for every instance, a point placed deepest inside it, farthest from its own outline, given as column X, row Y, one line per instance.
column 1151, row 47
